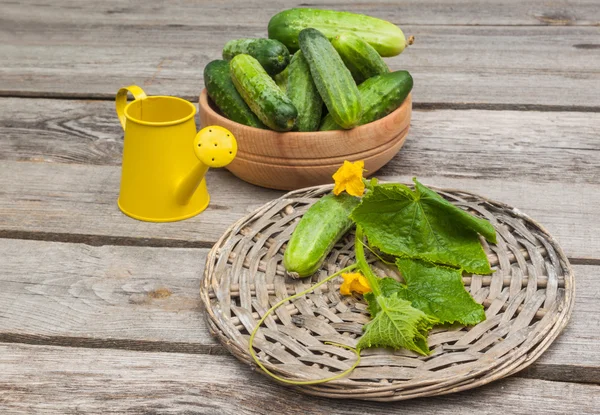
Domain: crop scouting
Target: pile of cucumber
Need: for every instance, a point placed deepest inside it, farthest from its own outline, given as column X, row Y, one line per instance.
column 319, row 70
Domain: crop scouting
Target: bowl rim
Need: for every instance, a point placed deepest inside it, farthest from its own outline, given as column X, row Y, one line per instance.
column 204, row 105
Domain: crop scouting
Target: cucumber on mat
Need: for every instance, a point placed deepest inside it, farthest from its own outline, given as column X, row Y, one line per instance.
column 304, row 95
column 380, row 95
column 323, row 224
column 221, row 90
column 262, row 94
column 331, row 77
column 270, row 53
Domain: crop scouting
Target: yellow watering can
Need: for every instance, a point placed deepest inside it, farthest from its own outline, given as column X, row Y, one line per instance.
column 164, row 160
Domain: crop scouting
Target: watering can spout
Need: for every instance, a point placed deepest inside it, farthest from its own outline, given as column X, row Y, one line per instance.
column 214, row 146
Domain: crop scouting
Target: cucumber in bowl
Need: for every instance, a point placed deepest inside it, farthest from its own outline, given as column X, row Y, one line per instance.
column 261, row 93
column 379, row 95
column 270, row 53
column 360, row 58
column 303, row 92
column 387, row 38
column 331, row 77
column 221, row 90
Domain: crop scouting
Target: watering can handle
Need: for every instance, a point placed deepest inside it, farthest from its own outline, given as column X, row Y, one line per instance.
column 121, row 100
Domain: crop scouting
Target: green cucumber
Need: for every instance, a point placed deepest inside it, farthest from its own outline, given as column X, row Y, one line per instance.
column 304, row 95
column 272, row 54
column 380, row 95
column 385, row 37
column 323, row 224
column 221, row 90
column 360, row 58
column 262, row 94
column 333, row 80
column 281, row 79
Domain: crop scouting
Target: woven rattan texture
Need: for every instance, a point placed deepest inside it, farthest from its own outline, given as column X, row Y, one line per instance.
column 528, row 301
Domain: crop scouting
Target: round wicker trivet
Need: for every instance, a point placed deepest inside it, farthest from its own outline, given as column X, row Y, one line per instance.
column 528, row 301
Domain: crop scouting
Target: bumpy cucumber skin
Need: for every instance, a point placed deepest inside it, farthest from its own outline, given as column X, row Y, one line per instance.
column 281, row 79
column 221, row 90
column 323, row 224
column 333, row 80
column 303, row 93
column 270, row 53
column 380, row 95
column 360, row 58
column 387, row 38
column 262, row 94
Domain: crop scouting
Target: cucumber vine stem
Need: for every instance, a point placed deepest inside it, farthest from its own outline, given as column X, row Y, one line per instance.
column 363, row 266
column 361, row 260
column 293, row 297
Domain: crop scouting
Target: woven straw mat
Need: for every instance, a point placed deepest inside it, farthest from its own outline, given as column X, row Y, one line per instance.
column 528, row 301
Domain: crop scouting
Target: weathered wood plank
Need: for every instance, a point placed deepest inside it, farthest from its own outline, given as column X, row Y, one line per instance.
column 107, row 296
column 575, row 355
column 67, row 380
column 426, row 12
column 60, row 131
column 542, row 146
column 450, row 64
column 507, row 145
column 77, row 203
column 147, row 299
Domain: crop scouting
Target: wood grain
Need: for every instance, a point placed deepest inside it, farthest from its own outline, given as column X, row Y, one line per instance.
column 542, row 146
column 476, row 65
column 106, row 296
column 91, row 214
column 426, row 12
column 67, row 380
column 60, row 131
column 507, row 145
column 144, row 298
column 574, row 356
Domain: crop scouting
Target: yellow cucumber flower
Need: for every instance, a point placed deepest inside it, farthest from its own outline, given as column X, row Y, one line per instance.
column 349, row 178
column 354, row 282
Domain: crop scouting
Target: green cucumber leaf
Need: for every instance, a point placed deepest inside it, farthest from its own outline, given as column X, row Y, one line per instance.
column 422, row 224
column 396, row 324
column 437, row 291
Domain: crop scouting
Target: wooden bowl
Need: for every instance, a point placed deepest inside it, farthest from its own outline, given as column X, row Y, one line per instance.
column 292, row 160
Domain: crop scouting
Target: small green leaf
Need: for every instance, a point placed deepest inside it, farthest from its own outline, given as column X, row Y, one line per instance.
column 396, row 324
column 437, row 291
column 422, row 224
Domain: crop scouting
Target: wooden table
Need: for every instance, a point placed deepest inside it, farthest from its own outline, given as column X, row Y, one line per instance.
column 100, row 313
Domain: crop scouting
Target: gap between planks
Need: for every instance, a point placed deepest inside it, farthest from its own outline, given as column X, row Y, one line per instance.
column 425, row 106
column 105, row 240
column 129, row 382
column 102, row 240
column 117, row 344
